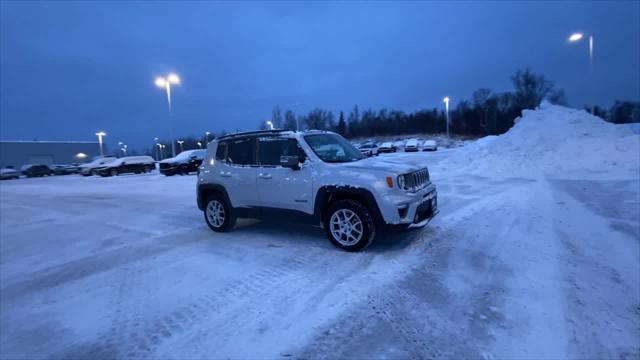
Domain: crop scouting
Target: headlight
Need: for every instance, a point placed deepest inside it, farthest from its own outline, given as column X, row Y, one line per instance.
column 400, row 181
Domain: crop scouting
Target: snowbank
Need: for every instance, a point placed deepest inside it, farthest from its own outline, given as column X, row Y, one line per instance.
column 553, row 141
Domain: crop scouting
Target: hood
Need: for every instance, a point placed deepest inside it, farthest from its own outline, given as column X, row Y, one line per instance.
column 395, row 166
column 169, row 160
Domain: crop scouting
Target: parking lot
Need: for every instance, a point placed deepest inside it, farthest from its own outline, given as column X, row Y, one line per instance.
column 125, row 267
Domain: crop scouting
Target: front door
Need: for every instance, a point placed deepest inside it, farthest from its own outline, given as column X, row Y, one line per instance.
column 280, row 187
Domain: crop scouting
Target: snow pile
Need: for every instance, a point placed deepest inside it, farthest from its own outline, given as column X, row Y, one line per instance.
column 553, row 141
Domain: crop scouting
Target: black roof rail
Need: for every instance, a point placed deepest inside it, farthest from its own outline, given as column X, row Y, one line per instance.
column 252, row 133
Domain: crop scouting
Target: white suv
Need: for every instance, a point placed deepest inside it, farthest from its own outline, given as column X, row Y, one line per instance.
column 313, row 176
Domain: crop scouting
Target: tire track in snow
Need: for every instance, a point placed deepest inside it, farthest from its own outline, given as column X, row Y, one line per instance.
column 136, row 337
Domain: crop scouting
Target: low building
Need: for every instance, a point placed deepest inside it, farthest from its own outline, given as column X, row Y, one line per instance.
column 19, row 153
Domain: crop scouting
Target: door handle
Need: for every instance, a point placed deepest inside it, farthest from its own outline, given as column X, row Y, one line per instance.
column 264, row 176
column 225, row 174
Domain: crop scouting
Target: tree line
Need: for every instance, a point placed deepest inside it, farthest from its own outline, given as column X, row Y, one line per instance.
column 485, row 113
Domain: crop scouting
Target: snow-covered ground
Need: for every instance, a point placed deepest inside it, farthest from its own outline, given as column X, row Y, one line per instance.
column 542, row 261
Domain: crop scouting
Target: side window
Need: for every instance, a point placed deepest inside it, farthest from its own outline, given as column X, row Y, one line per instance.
column 271, row 149
column 221, row 152
column 241, row 151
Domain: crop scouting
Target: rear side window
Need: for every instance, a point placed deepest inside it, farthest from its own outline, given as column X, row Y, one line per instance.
column 271, row 149
column 221, row 152
column 241, row 151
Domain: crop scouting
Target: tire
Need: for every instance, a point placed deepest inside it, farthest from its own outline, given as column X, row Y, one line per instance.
column 113, row 172
column 217, row 201
column 146, row 169
column 343, row 220
column 183, row 170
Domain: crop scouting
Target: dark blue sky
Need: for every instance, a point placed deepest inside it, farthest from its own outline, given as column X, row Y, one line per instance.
column 70, row 69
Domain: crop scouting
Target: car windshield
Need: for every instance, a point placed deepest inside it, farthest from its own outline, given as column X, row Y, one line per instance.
column 333, row 148
column 189, row 153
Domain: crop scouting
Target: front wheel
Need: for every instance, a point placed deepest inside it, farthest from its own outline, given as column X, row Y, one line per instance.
column 349, row 225
column 218, row 215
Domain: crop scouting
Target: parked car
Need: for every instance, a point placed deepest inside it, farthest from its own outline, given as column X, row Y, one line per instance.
column 9, row 173
column 313, row 176
column 368, row 149
column 60, row 169
column 127, row 164
column 399, row 144
column 184, row 163
column 387, row 147
column 89, row 168
column 429, row 145
column 32, row 170
column 411, row 145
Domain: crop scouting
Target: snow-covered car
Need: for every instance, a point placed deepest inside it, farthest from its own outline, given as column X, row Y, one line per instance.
column 368, row 149
column 127, row 164
column 429, row 145
column 411, row 145
column 387, row 147
column 9, row 173
column 184, row 163
column 399, row 144
column 312, row 176
column 89, row 168
column 38, row 170
column 62, row 169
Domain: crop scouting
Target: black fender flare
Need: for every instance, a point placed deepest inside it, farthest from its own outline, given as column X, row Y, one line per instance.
column 326, row 194
column 205, row 189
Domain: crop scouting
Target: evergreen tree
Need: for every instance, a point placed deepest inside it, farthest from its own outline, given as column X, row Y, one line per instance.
column 276, row 118
column 290, row 121
column 342, row 125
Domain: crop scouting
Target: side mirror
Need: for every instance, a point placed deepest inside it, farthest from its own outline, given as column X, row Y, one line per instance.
column 291, row 162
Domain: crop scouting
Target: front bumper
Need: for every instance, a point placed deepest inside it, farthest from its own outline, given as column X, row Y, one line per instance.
column 413, row 208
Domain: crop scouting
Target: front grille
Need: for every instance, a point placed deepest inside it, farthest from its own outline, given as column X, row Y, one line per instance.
column 416, row 180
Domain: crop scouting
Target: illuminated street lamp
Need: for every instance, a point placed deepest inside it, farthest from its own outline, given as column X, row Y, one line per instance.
column 123, row 148
column 100, row 134
column 199, row 145
column 171, row 79
column 270, row 124
column 206, row 134
column 446, row 107
column 181, row 142
column 575, row 37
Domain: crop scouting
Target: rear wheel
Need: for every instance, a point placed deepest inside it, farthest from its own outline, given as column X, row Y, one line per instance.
column 114, row 172
column 349, row 225
column 218, row 214
column 147, row 169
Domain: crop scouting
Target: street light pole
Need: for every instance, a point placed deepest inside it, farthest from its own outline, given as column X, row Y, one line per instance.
column 166, row 83
column 181, row 142
column 446, row 107
column 100, row 134
column 577, row 37
column 206, row 134
column 156, row 148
